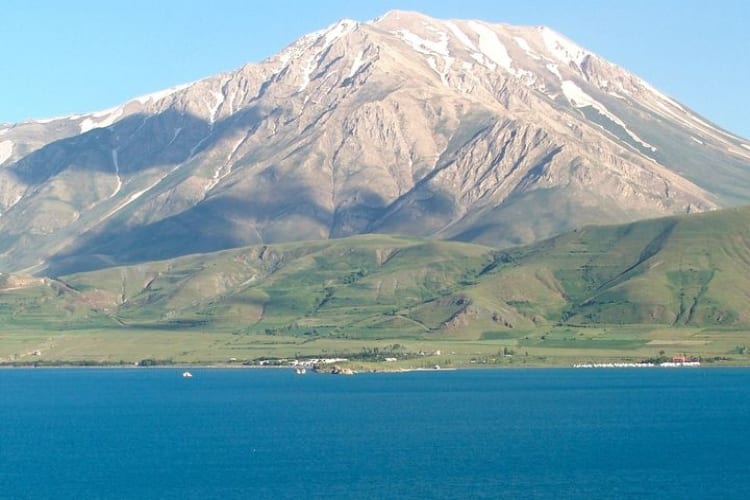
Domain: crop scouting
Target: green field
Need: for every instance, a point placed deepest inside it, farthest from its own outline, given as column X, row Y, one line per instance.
column 561, row 346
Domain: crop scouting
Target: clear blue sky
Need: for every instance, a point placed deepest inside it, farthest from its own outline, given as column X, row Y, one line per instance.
column 72, row 56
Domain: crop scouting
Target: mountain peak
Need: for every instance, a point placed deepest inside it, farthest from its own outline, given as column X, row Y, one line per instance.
column 395, row 15
column 564, row 49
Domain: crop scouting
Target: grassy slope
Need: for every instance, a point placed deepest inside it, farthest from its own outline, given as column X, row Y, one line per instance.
column 690, row 270
column 559, row 299
column 342, row 287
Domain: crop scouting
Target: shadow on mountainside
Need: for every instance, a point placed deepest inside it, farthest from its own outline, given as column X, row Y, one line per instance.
column 141, row 141
column 155, row 138
column 215, row 224
column 272, row 205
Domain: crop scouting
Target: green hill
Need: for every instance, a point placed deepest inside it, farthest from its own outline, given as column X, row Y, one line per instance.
column 367, row 285
column 627, row 288
column 689, row 270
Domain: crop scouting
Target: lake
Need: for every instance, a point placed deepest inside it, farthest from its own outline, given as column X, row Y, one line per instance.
column 268, row 433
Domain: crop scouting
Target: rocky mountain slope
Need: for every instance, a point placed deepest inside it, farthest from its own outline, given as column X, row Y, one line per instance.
column 446, row 129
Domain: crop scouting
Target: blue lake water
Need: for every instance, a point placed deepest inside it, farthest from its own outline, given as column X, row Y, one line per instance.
column 547, row 433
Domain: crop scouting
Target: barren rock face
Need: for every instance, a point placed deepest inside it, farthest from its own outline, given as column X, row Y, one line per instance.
column 406, row 124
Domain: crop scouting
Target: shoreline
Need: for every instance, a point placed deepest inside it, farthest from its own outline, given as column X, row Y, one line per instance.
column 360, row 371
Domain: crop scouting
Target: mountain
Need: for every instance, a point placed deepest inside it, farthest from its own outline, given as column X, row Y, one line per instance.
column 688, row 270
column 462, row 130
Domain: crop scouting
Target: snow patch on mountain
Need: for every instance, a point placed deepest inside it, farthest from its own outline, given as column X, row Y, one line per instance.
column 446, row 69
column 432, row 62
column 54, row 119
column 133, row 197
column 320, row 41
column 433, row 65
column 343, row 27
column 493, row 50
column 578, row 98
column 432, row 49
column 521, row 42
column 100, row 119
column 561, row 48
column 116, row 164
column 553, row 69
column 746, row 146
column 161, row 94
column 312, row 62
column 136, row 195
column 357, row 64
column 174, row 137
column 219, row 97
column 328, row 35
column 198, row 145
column 107, row 117
column 424, row 46
column 12, row 203
column 6, row 151
column 223, row 170
column 461, row 36
column 491, row 46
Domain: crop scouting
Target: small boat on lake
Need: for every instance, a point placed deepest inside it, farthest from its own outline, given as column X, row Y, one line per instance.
column 187, row 375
